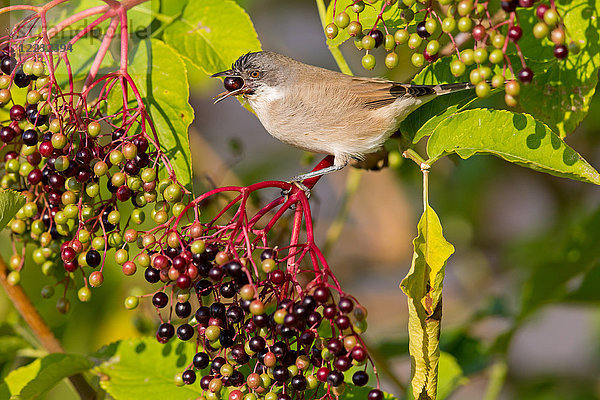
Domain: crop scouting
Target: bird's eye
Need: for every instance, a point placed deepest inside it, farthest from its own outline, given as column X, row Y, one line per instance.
column 255, row 74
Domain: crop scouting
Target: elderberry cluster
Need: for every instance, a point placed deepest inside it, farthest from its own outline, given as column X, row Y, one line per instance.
column 75, row 172
column 258, row 336
column 434, row 28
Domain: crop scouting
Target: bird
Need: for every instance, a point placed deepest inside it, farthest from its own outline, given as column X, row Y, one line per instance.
column 324, row 111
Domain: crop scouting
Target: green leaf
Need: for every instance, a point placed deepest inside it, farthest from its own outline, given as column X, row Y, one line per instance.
column 161, row 78
column 423, row 121
column 10, row 203
column 36, row 378
column 560, row 95
column 517, row 138
column 391, row 16
column 423, row 286
column 144, row 369
column 212, row 34
column 587, row 290
column 451, row 376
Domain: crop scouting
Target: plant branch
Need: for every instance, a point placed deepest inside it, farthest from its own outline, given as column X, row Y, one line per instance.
column 40, row 329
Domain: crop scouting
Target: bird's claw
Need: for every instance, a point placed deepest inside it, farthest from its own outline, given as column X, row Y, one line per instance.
column 299, row 185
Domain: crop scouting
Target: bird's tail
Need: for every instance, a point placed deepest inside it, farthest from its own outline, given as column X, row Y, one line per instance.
column 451, row 87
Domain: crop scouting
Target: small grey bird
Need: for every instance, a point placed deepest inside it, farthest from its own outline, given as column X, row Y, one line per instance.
column 324, row 111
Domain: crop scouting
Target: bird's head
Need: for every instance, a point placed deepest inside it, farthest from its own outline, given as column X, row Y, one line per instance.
column 252, row 72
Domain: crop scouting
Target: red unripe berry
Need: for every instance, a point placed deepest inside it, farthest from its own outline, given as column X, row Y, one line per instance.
column 526, row 3
column 46, row 148
column 322, row 374
column 428, row 57
column 478, row 32
column 17, row 112
column 70, row 266
column 123, row 193
column 515, row 33
column 184, row 281
column 161, row 262
column 68, row 254
column 358, row 353
column 34, row 177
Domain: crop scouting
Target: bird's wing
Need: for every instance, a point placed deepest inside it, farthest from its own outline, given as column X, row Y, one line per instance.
column 377, row 93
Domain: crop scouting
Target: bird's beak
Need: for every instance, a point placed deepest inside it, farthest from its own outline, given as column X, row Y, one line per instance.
column 222, row 96
column 229, row 72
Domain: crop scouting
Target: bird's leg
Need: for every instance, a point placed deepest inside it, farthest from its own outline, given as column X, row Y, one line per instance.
column 319, row 172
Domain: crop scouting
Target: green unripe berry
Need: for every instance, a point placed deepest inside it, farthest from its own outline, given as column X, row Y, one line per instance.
column 13, row 278
column 498, row 81
column 465, row 24
column 268, row 265
column 68, row 197
column 368, row 42
column 482, row 89
column 418, row 60
column 480, row 55
column 368, row 61
column 496, row 56
column 131, row 302
column 138, row 216
column 25, row 169
column 100, row 168
column 116, row 157
column 541, row 30
column 354, row 28
column 409, row 3
column 173, row 193
column 38, row 69
column 93, row 129
column 98, row 243
column 391, row 60
column 118, row 179
column 342, row 19
column 33, row 97
column 498, row 41
column 83, row 236
column 84, row 294
column 331, row 31
column 551, row 17
column 48, row 268
column 59, row 141
column 212, row 332
column 457, row 68
column 464, row 7
column 485, row 72
column 433, row 47
column 12, row 165
column 160, row 217
column 414, row 41
column 467, row 56
column 28, row 67
column 431, row 25
column 92, row 189
column 401, row 36
column 448, row 24
column 61, row 163
column 148, row 175
column 475, row 77
column 389, row 43
column 71, row 211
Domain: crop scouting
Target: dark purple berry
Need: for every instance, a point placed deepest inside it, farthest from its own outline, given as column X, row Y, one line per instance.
column 335, row 378
column 21, row 80
column 7, row 134
column 378, row 36
column 526, row 75
column 17, row 112
column 561, row 51
column 151, row 275
column 188, row 377
column 93, row 258
column 7, row 64
column 509, row 6
column 360, row 378
column 166, row 331
column 183, row 310
column 201, row 360
column 160, row 299
column 185, row 331
column 30, row 137
column 299, row 383
column 232, row 83
column 375, row 394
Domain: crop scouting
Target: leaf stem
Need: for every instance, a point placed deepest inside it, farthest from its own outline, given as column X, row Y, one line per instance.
column 497, row 377
column 40, row 329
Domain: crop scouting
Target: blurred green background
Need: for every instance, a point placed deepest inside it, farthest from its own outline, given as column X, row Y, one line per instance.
column 521, row 292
